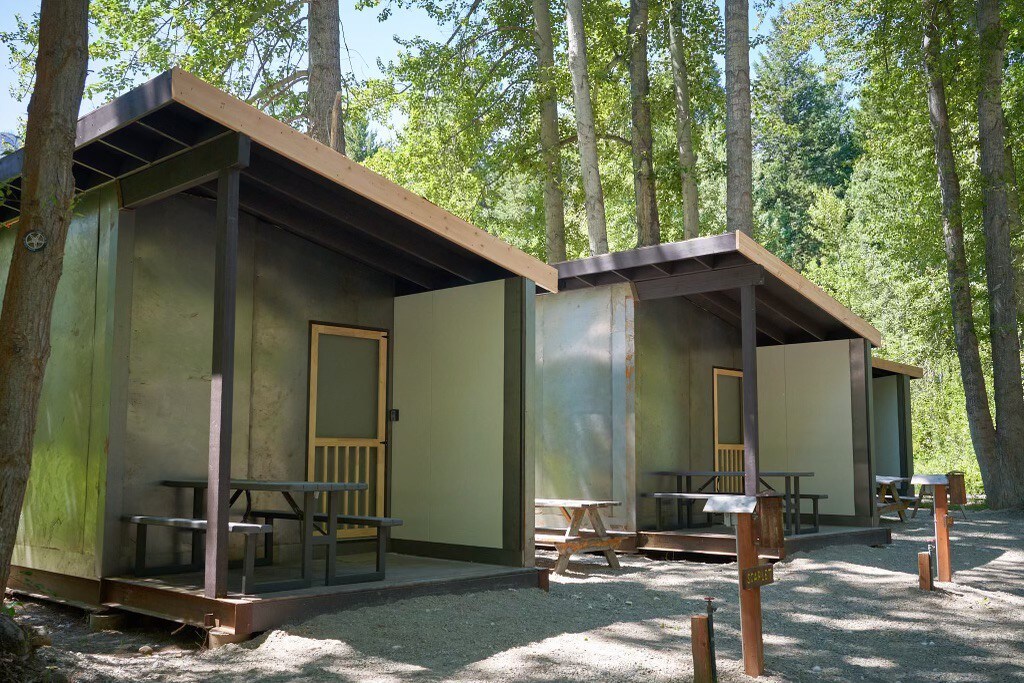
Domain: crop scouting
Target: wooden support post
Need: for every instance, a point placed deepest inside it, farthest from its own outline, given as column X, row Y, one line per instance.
column 924, row 571
column 750, row 598
column 746, row 549
column 222, row 385
column 700, row 642
column 748, row 325
column 942, row 523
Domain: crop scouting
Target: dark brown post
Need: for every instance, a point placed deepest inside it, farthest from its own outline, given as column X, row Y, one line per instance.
column 750, row 598
column 748, row 326
column 222, row 384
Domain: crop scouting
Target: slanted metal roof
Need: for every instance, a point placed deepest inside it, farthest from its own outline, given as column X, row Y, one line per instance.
column 881, row 367
column 708, row 271
column 290, row 180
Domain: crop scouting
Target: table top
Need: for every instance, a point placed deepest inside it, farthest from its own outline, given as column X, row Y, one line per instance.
column 882, row 479
column 930, row 480
column 709, row 473
column 269, row 485
column 574, row 503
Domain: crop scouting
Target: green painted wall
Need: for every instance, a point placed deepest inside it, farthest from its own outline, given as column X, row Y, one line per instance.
column 60, row 521
column 447, row 454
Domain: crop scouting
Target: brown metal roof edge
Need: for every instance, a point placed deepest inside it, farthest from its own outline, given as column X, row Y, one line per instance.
column 886, row 365
column 229, row 111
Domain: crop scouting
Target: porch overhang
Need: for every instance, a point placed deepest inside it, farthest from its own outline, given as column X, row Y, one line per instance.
column 170, row 135
column 881, row 367
column 710, row 272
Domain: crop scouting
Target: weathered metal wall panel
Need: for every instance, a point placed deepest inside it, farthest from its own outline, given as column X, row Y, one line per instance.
column 60, row 518
column 284, row 283
column 678, row 347
column 297, row 282
column 585, row 396
column 886, row 414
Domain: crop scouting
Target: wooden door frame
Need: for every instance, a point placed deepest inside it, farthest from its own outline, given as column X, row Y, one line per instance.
column 717, row 372
column 382, row 337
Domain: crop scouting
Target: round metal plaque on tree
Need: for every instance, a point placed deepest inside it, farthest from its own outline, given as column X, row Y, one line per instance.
column 34, row 241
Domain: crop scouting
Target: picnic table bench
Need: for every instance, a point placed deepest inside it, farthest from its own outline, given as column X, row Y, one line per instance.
column 888, row 497
column 686, row 496
column 573, row 540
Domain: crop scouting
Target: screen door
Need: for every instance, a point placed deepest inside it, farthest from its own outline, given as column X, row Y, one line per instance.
column 347, row 403
column 728, row 401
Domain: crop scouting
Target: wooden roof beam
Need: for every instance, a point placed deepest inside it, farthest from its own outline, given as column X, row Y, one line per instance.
column 700, row 282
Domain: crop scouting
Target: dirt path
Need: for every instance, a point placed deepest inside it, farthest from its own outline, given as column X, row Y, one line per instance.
column 841, row 614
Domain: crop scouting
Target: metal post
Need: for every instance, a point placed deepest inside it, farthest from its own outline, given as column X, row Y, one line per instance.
column 748, row 325
column 222, row 385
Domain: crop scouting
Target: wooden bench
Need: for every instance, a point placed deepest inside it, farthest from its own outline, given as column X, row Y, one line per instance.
column 687, row 499
column 143, row 522
column 568, row 546
column 382, row 524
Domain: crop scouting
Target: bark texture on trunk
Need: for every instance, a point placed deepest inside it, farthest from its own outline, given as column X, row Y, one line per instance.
column 648, row 228
column 738, row 155
column 324, row 83
column 979, row 416
column 46, row 196
column 684, row 123
column 554, row 203
column 585, row 130
column 997, row 186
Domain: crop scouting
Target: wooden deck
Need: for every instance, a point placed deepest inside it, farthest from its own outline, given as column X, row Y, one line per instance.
column 720, row 541
column 180, row 598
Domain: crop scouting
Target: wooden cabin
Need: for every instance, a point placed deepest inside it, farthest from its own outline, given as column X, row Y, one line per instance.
column 239, row 301
column 644, row 361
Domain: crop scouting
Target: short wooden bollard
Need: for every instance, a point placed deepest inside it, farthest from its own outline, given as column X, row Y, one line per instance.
column 700, row 639
column 942, row 524
column 924, row 570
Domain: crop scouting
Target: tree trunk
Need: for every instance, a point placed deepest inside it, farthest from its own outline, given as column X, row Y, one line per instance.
column 47, row 188
column 979, row 416
column 739, row 205
column 996, row 182
column 324, row 82
column 586, row 133
column 648, row 228
column 684, row 123
column 554, row 204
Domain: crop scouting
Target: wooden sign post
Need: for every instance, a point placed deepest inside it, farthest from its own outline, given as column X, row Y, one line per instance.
column 752, row 575
column 943, row 521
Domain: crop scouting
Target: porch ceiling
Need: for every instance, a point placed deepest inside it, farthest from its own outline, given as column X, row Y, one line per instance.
column 709, row 271
column 290, row 180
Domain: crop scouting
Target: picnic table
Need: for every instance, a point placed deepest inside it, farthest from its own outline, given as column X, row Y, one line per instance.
column 305, row 513
column 791, row 491
column 887, row 495
column 573, row 541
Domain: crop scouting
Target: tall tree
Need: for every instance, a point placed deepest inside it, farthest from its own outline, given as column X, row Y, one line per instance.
column 997, row 188
column 978, row 414
column 804, row 143
column 738, row 154
column 47, row 188
column 324, row 97
column 554, row 203
column 585, row 129
column 647, row 226
column 684, row 122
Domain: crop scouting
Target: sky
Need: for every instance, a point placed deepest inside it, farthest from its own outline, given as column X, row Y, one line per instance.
column 368, row 40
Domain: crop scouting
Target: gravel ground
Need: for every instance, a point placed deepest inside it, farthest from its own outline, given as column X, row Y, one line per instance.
column 839, row 614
